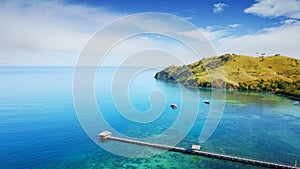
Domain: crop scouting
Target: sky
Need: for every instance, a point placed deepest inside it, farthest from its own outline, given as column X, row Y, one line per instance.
column 54, row 33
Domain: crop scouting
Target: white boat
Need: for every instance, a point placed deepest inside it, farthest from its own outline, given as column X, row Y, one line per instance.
column 174, row 106
column 206, row 101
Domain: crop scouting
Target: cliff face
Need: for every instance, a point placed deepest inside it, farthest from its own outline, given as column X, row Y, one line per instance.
column 278, row 74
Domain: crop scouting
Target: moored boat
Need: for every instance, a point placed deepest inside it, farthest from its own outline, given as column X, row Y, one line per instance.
column 206, row 101
column 174, row 106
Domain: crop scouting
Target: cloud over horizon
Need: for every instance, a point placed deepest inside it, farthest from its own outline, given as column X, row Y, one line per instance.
column 46, row 32
column 274, row 40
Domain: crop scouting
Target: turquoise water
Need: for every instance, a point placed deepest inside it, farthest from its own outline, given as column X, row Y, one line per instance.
column 39, row 127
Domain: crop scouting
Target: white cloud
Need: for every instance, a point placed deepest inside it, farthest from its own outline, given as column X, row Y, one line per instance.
column 275, row 8
column 289, row 21
column 219, row 7
column 234, row 25
column 149, row 50
column 46, row 32
column 215, row 33
column 283, row 39
column 53, row 33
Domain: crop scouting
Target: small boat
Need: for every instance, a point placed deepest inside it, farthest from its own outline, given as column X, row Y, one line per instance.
column 173, row 106
column 206, row 101
column 296, row 102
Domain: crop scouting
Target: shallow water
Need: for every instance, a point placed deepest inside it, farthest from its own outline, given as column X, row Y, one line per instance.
column 39, row 126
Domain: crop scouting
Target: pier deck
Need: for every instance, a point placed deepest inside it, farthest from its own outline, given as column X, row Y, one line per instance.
column 108, row 136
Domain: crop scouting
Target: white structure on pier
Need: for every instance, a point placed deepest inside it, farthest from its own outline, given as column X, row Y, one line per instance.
column 104, row 135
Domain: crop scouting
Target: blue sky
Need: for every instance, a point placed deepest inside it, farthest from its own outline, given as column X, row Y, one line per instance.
column 198, row 12
column 53, row 33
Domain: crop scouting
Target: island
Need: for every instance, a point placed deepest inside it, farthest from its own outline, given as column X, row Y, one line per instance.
column 275, row 74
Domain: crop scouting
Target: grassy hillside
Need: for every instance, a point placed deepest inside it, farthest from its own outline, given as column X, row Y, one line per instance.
column 278, row 74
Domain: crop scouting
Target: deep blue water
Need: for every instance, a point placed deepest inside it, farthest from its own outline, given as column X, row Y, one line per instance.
column 39, row 126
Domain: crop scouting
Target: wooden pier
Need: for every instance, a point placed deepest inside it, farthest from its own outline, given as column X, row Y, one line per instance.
column 107, row 136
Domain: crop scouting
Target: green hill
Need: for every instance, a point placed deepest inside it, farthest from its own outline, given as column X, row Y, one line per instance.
column 276, row 74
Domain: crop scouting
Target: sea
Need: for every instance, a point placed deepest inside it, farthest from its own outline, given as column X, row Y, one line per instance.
column 40, row 126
